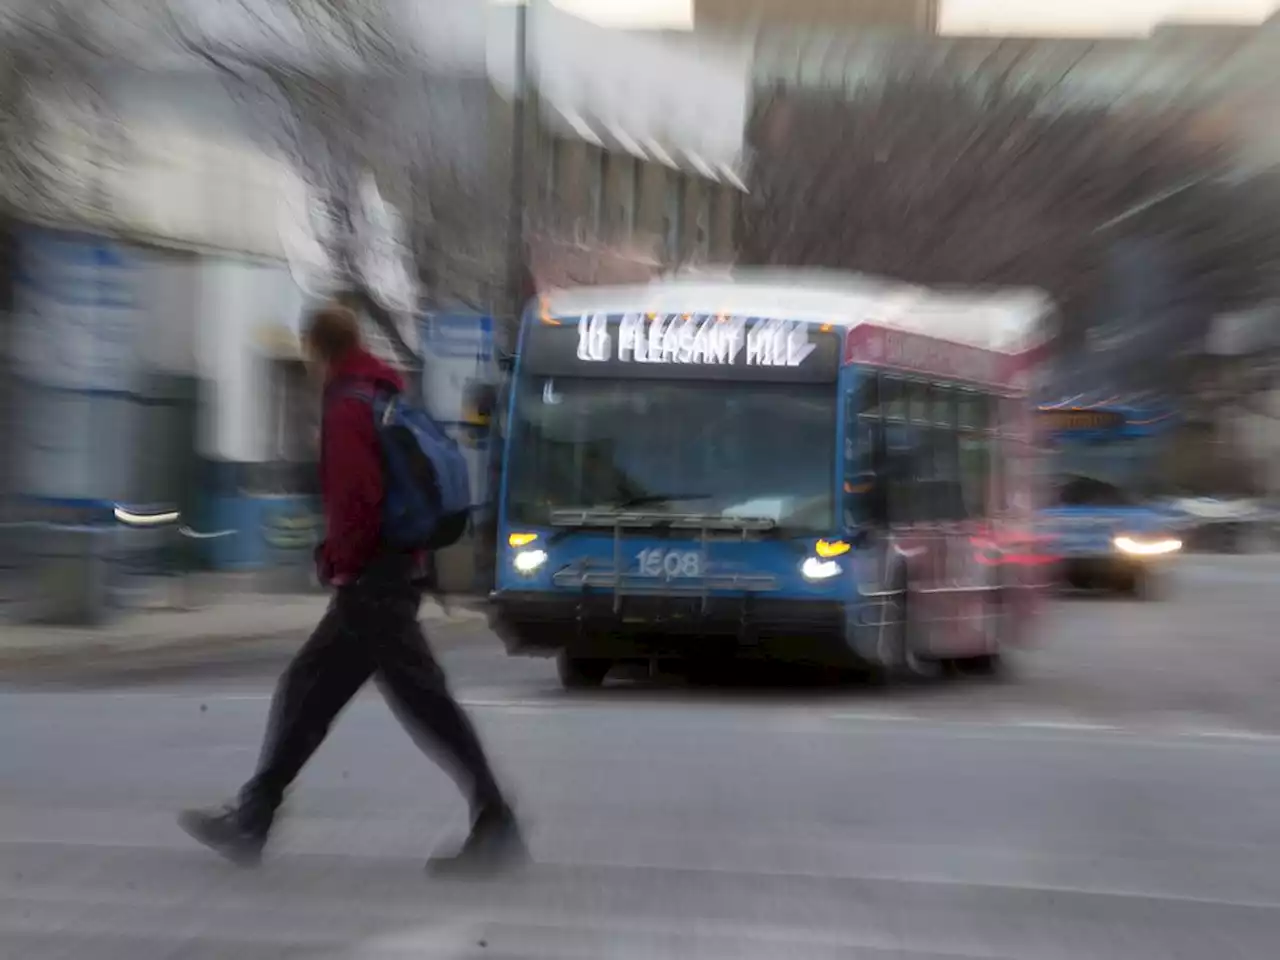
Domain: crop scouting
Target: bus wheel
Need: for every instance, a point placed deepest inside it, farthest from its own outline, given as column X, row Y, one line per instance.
column 897, row 661
column 995, row 623
column 1133, row 583
column 990, row 665
column 581, row 673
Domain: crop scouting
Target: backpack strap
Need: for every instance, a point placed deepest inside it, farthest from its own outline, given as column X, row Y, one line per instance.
column 355, row 389
column 340, row 390
column 362, row 390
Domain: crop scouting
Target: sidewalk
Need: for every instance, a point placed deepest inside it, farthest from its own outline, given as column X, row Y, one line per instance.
column 226, row 623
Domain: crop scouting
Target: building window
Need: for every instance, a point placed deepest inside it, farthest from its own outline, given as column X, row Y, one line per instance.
column 673, row 218
column 721, row 236
column 599, row 177
column 702, row 238
column 292, row 432
column 626, row 211
column 637, row 193
column 551, row 174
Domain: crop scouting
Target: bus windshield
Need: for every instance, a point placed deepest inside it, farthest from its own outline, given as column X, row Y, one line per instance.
column 725, row 448
column 1115, row 471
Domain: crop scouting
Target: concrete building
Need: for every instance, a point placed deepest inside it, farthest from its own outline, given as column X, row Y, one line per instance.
column 633, row 145
column 185, row 387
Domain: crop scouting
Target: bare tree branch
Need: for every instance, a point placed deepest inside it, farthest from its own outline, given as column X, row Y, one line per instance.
column 973, row 178
column 57, row 128
column 329, row 86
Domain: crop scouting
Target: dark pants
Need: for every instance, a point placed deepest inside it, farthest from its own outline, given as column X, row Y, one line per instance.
column 370, row 629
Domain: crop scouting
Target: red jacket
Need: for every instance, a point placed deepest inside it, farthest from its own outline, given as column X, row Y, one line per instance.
column 351, row 466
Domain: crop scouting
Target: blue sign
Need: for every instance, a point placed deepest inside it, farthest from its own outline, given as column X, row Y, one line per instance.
column 461, row 336
column 78, row 314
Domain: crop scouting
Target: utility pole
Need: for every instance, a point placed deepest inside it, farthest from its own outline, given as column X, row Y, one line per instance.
column 516, row 210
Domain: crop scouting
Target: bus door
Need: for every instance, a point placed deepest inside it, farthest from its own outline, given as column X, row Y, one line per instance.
column 943, row 524
column 902, row 546
column 927, row 524
column 869, row 490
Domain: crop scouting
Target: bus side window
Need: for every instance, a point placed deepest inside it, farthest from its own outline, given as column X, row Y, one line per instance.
column 948, row 503
column 975, row 452
column 926, row 502
column 898, row 466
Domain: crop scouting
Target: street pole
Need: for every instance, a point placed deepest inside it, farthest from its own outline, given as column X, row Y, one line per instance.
column 516, row 210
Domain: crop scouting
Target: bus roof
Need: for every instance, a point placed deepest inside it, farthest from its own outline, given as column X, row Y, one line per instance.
column 1007, row 320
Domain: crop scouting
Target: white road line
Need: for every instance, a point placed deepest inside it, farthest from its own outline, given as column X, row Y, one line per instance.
column 769, row 714
column 540, row 933
column 1255, row 736
column 961, row 726
column 856, row 873
column 874, row 717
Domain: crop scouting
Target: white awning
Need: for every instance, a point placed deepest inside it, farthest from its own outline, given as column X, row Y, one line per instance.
column 701, row 166
column 626, row 142
column 578, row 126
column 610, row 135
column 659, row 153
column 730, row 177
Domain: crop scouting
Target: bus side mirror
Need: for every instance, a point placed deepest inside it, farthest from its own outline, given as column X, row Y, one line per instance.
column 878, row 502
column 866, row 503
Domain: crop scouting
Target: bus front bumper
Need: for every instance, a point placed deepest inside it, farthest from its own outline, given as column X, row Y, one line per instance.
column 794, row 629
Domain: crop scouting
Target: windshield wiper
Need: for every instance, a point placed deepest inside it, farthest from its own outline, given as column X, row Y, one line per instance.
column 607, row 513
column 653, row 499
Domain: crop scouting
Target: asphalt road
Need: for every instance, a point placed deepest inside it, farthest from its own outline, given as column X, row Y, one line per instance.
column 1114, row 798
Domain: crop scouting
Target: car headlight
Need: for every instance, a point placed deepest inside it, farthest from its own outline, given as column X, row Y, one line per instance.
column 815, row 568
column 1147, row 547
column 529, row 561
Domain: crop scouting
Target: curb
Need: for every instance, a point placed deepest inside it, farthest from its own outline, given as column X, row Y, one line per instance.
column 104, row 655
column 98, row 655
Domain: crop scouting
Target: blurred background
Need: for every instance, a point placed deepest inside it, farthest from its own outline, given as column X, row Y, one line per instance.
column 182, row 180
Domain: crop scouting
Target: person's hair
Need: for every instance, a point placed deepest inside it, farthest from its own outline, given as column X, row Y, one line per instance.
column 331, row 331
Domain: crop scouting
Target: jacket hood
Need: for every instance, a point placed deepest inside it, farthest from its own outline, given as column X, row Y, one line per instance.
column 362, row 365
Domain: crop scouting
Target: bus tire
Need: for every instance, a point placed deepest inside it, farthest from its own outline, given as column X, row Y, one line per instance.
column 897, row 662
column 1136, row 583
column 581, row 673
column 990, row 664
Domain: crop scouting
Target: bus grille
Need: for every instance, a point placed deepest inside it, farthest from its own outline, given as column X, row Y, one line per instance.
column 629, row 584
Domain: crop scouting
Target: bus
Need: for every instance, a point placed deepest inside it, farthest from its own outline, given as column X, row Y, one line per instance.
column 1105, row 463
column 816, row 468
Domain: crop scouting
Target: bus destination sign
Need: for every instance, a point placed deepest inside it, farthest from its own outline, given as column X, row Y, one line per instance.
column 1081, row 419
column 693, row 339
column 682, row 346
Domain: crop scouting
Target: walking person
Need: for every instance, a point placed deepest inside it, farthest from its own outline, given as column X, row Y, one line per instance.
column 370, row 629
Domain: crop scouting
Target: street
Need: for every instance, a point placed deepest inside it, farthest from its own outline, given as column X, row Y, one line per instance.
column 1112, row 798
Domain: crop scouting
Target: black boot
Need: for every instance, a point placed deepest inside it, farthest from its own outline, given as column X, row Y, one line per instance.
column 237, row 833
column 494, row 844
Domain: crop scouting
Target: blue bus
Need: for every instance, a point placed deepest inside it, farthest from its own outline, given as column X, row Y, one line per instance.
column 814, row 468
column 1104, row 475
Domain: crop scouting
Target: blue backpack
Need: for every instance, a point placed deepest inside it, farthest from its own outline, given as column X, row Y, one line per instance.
column 427, row 490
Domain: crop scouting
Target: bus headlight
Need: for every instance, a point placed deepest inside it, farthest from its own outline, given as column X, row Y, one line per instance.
column 1145, row 547
column 815, row 568
column 529, row 561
